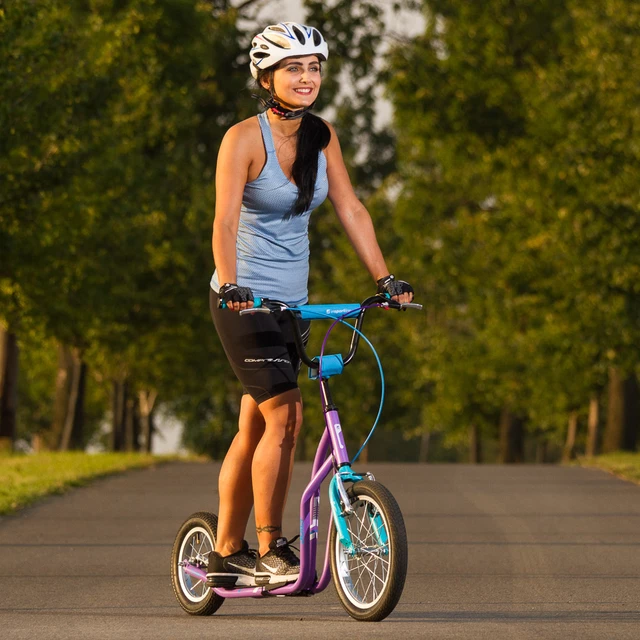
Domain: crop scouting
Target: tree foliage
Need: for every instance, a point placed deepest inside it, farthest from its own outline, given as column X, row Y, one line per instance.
column 505, row 191
column 513, row 122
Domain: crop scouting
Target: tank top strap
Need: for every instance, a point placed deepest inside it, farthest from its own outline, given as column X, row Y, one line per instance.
column 263, row 119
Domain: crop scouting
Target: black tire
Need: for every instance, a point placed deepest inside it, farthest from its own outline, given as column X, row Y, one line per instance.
column 194, row 542
column 370, row 585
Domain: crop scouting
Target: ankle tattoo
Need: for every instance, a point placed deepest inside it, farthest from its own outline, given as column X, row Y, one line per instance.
column 269, row 528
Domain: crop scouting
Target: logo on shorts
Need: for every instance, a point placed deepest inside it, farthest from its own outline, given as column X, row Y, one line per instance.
column 277, row 360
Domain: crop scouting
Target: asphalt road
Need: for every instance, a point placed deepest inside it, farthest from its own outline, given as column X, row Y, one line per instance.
column 495, row 552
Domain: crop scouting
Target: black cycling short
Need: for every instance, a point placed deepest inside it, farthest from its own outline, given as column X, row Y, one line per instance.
column 260, row 348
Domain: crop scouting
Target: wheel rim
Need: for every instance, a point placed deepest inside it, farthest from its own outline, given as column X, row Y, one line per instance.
column 195, row 549
column 364, row 576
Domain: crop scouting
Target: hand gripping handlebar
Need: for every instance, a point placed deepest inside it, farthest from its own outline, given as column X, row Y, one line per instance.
column 327, row 312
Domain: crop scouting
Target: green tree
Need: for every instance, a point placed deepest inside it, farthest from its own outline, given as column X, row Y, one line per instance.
column 514, row 165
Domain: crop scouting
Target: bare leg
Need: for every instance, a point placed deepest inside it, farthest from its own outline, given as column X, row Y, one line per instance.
column 234, row 483
column 273, row 463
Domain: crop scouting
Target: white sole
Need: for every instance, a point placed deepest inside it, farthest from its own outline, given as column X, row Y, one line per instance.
column 270, row 578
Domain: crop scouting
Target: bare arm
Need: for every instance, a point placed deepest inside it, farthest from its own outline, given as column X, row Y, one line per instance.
column 232, row 168
column 352, row 214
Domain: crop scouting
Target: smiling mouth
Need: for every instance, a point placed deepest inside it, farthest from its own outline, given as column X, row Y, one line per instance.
column 304, row 92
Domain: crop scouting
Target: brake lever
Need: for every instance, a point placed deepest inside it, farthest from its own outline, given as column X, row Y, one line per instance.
column 245, row 312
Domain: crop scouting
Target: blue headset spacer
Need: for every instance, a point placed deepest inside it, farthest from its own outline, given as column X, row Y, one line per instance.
column 332, row 365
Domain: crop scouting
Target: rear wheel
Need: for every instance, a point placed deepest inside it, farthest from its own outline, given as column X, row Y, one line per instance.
column 370, row 581
column 193, row 544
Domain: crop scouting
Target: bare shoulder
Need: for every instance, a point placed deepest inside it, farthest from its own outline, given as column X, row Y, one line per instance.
column 243, row 133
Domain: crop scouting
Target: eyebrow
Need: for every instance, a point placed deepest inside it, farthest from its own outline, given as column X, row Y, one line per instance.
column 286, row 64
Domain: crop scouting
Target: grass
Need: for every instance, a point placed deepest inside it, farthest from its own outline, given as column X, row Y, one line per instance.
column 621, row 464
column 26, row 478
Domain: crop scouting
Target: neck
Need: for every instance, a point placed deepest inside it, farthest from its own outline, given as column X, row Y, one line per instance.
column 282, row 126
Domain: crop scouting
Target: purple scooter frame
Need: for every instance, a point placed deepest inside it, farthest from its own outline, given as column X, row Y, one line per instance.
column 368, row 546
column 306, row 583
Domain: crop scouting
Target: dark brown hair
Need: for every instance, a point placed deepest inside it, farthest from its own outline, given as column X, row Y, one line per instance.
column 312, row 137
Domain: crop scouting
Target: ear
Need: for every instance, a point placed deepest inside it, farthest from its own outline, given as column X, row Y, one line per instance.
column 265, row 80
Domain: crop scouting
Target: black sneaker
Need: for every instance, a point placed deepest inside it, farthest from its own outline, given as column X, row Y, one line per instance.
column 236, row 570
column 279, row 564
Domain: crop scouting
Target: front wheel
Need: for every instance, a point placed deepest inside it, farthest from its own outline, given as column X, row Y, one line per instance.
column 370, row 581
column 193, row 544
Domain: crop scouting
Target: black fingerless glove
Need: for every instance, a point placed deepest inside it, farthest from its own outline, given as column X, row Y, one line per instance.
column 231, row 292
column 393, row 287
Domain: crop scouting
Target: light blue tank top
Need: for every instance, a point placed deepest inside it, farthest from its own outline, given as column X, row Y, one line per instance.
column 273, row 252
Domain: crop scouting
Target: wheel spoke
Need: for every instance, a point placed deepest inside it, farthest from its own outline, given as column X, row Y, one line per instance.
column 201, row 545
column 365, row 566
column 364, row 576
column 196, row 546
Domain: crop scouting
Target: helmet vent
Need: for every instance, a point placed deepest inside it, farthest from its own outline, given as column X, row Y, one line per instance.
column 299, row 35
column 285, row 40
column 275, row 40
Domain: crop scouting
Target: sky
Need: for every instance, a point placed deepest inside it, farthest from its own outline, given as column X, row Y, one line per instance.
column 406, row 23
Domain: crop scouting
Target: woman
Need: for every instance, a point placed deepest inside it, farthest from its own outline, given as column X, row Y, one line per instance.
column 272, row 171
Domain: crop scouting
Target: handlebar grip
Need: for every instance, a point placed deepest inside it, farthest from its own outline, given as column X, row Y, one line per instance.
column 257, row 303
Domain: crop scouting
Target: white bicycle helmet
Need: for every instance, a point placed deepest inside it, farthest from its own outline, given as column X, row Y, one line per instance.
column 283, row 40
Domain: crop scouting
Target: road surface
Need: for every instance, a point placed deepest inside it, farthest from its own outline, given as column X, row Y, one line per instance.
column 495, row 552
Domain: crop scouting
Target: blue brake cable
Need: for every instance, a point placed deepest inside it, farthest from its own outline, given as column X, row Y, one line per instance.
column 375, row 353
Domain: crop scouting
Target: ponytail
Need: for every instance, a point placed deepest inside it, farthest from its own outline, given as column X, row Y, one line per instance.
column 313, row 137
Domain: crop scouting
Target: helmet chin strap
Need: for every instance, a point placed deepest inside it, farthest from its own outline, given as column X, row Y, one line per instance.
column 279, row 107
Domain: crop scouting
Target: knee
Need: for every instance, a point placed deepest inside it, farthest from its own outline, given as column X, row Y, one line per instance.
column 283, row 418
column 293, row 429
column 286, row 431
column 251, row 428
column 248, row 440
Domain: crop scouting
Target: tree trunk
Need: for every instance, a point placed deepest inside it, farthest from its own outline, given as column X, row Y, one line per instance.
column 511, row 445
column 52, row 439
column 146, row 402
column 475, row 450
column 623, row 413
column 3, row 353
column 72, row 400
column 570, row 443
column 119, row 404
column 612, row 440
column 423, row 454
column 541, row 451
column 9, row 390
column 77, row 433
column 631, row 413
column 592, row 426
column 132, row 424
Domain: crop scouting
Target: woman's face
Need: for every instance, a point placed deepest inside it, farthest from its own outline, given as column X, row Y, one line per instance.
column 297, row 80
